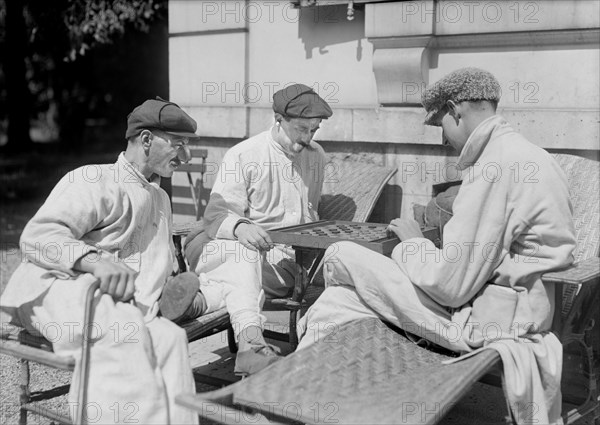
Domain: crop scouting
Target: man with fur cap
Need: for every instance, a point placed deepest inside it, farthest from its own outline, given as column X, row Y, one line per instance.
column 483, row 285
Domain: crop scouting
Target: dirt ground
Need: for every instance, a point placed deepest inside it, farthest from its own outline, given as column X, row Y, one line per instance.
column 23, row 190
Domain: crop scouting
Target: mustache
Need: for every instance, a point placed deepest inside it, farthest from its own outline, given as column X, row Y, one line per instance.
column 306, row 145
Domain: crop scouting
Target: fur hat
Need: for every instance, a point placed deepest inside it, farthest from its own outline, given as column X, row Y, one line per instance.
column 465, row 84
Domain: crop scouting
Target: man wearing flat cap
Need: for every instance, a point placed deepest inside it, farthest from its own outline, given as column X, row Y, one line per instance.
column 271, row 180
column 112, row 223
column 483, row 285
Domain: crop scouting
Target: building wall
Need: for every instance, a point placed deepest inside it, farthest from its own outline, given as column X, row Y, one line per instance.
column 227, row 58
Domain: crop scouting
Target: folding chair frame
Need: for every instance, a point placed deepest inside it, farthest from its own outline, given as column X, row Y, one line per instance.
column 29, row 348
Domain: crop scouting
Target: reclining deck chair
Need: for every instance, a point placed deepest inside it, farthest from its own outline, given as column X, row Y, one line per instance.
column 369, row 373
column 350, row 191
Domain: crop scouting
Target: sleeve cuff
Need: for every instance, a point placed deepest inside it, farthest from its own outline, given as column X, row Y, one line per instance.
column 80, row 251
column 240, row 221
column 228, row 225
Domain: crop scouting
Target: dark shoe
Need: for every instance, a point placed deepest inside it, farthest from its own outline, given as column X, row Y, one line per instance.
column 178, row 295
column 249, row 362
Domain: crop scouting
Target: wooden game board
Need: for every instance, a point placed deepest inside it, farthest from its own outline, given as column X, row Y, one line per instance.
column 321, row 234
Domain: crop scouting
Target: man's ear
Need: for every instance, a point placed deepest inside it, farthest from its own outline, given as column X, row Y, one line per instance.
column 278, row 117
column 146, row 138
column 453, row 110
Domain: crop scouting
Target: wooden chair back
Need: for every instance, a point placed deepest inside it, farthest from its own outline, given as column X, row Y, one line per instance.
column 187, row 187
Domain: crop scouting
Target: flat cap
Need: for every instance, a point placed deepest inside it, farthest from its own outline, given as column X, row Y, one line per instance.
column 300, row 101
column 162, row 115
column 465, row 84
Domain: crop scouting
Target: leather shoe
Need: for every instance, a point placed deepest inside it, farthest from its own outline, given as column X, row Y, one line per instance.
column 178, row 295
column 255, row 359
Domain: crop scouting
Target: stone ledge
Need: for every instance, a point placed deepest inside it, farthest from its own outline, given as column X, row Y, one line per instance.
column 426, row 17
column 548, row 128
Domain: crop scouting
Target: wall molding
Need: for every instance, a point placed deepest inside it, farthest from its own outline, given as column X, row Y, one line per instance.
column 401, row 64
column 547, row 128
column 404, row 43
column 207, row 32
column 577, row 37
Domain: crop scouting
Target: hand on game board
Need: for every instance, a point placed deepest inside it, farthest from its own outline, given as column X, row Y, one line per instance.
column 405, row 228
column 253, row 237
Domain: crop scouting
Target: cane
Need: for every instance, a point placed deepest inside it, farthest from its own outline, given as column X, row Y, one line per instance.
column 85, row 351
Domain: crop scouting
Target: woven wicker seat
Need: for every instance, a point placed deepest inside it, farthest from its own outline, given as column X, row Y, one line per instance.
column 361, row 377
column 369, row 373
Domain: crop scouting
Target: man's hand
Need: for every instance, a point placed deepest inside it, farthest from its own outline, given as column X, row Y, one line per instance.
column 116, row 279
column 253, row 237
column 405, row 228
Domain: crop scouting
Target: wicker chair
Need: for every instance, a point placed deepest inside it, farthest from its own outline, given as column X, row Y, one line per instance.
column 374, row 374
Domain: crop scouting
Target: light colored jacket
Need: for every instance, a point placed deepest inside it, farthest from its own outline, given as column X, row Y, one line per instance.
column 259, row 182
column 109, row 210
column 512, row 222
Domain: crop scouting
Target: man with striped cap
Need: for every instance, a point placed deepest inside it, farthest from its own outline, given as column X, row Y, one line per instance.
column 112, row 223
column 271, row 180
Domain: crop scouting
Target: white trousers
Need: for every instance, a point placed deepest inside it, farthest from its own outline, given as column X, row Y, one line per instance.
column 361, row 283
column 136, row 368
column 238, row 278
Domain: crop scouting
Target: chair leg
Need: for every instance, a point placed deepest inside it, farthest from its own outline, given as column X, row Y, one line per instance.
column 25, row 394
column 179, row 253
column 233, row 348
column 294, row 316
column 589, row 405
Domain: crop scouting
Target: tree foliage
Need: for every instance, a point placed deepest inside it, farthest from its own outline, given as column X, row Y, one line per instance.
column 94, row 22
column 54, row 44
column 76, row 26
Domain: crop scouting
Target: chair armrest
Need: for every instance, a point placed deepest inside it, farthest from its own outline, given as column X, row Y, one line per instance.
column 182, row 229
column 207, row 325
column 584, row 272
column 575, row 290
